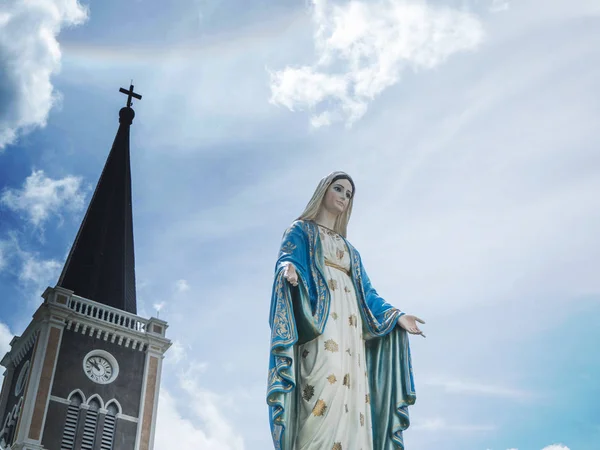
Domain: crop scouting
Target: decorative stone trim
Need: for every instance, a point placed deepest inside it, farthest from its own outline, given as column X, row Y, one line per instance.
column 105, row 322
column 20, row 345
column 56, row 399
column 128, row 418
column 113, row 317
column 102, row 410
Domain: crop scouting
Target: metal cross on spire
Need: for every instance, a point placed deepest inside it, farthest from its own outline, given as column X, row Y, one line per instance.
column 130, row 94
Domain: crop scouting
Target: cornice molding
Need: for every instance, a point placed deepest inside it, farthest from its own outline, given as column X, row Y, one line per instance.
column 20, row 345
column 62, row 308
column 110, row 324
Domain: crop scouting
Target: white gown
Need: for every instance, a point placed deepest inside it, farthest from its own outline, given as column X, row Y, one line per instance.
column 334, row 410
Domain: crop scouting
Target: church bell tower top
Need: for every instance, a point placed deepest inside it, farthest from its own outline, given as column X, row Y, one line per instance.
column 101, row 263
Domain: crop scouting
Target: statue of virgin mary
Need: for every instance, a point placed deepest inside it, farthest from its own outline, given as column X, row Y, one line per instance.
column 340, row 374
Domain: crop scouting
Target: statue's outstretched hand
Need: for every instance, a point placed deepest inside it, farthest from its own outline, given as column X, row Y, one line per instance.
column 409, row 323
column 290, row 274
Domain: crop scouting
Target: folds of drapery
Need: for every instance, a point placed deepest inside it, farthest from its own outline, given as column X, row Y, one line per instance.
column 299, row 314
column 391, row 388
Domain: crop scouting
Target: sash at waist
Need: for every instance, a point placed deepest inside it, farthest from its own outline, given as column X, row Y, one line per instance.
column 337, row 266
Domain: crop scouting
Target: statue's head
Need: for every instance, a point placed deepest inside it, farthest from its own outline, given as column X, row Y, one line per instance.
column 335, row 193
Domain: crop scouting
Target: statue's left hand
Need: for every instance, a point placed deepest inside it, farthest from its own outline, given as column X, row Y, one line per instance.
column 409, row 323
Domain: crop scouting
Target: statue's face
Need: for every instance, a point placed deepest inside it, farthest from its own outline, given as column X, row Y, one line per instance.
column 338, row 196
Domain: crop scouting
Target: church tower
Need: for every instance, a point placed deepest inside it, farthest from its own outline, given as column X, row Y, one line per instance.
column 85, row 374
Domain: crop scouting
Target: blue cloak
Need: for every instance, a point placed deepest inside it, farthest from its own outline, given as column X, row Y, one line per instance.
column 299, row 314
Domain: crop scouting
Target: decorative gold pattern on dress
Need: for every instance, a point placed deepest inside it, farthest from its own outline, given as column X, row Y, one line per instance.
column 368, row 399
column 288, row 247
column 337, row 266
column 339, row 253
column 332, row 284
column 308, row 392
column 320, row 408
column 331, row 345
column 330, row 232
column 305, row 353
column 332, row 379
column 362, row 420
column 337, row 446
column 353, row 320
column 348, row 351
column 334, row 315
column 347, row 380
column 347, row 289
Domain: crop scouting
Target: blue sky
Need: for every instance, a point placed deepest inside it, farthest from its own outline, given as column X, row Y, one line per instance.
column 470, row 127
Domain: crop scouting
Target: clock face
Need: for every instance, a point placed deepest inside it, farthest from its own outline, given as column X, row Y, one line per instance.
column 99, row 368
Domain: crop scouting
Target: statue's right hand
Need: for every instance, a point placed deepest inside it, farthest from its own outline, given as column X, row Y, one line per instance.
column 290, row 274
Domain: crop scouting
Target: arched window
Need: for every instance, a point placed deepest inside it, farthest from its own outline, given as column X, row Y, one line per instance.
column 110, row 422
column 68, row 440
column 89, row 428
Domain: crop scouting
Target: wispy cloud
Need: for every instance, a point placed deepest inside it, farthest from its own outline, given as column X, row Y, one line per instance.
column 39, row 273
column 440, row 424
column 41, row 197
column 182, row 286
column 362, row 49
column 208, row 428
column 31, row 272
column 28, row 60
column 476, row 388
column 3, row 258
column 499, row 6
column 176, row 353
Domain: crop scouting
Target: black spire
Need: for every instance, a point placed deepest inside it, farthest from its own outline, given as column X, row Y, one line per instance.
column 101, row 264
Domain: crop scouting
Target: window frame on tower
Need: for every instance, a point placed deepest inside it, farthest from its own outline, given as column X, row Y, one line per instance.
column 72, row 419
column 90, row 427
column 113, row 409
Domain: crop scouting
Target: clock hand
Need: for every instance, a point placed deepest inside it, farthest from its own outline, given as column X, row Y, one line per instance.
column 95, row 364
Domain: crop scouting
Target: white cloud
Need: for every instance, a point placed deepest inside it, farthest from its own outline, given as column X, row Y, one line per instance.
column 363, row 48
column 556, row 447
column 41, row 197
column 208, row 427
column 440, row 424
column 5, row 337
column 29, row 56
column 39, row 273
